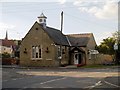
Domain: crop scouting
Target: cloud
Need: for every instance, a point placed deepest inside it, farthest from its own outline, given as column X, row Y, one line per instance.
column 78, row 2
column 103, row 35
column 107, row 9
column 61, row 1
column 27, row 0
column 4, row 26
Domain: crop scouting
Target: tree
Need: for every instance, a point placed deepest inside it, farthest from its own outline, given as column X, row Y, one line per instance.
column 106, row 47
column 5, row 55
column 116, row 35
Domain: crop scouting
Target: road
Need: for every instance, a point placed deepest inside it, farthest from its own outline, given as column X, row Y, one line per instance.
column 60, row 78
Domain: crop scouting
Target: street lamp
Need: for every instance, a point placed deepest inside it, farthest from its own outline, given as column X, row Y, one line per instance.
column 115, row 48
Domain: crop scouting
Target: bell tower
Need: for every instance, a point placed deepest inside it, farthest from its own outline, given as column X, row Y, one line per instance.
column 42, row 20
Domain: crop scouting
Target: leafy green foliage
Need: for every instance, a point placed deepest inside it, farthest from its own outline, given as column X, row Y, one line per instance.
column 5, row 55
column 107, row 46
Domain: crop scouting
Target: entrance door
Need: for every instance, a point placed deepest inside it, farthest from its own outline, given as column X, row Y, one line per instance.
column 77, row 58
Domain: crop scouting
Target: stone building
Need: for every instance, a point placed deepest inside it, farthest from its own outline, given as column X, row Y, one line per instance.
column 47, row 46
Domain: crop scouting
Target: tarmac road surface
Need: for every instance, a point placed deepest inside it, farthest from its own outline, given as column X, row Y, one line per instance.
column 23, row 79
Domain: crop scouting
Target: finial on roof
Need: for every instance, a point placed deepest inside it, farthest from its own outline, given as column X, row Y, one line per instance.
column 42, row 16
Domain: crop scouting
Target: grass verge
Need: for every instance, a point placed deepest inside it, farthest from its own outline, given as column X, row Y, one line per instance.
column 99, row 66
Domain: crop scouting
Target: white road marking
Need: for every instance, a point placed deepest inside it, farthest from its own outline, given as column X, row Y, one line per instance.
column 96, row 84
column 112, row 84
column 90, row 87
column 25, row 87
column 47, row 87
column 52, row 80
column 14, row 79
column 20, row 78
column 44, row 83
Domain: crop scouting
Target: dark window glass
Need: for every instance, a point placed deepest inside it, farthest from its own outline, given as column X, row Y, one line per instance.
column 40, row 20
column 36, row 28
column 36, row 55
column 39, row 52
column 44, row 20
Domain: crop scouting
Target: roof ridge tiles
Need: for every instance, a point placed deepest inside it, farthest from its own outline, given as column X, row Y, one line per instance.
column 81, row 34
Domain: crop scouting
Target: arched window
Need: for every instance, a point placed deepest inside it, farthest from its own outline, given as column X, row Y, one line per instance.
column 36, row 52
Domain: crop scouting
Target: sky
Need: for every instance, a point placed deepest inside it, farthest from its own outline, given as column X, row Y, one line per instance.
column 99, row 17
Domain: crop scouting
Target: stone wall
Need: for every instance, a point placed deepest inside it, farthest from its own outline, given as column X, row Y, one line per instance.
column 37, row 36
column 100, row 59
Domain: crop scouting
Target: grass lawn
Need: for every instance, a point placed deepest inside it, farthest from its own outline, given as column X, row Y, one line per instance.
column 99, row 66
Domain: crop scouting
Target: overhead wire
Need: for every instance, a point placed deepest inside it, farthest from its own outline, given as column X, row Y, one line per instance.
column 78, row 19
column 29, row 10
column 36, row 9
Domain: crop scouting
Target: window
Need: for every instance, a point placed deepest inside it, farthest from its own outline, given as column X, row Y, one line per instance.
column 89, row 53
column 36, row 28
column 36, row 52
column 59, row 52
column 44, row 20
column 4, row 49
column 40, row 20
column 40, row 52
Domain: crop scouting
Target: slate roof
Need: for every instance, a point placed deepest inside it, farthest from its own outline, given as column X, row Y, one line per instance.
column 79, row 39
column 81, row 35
column 67, row 40
column 57, row 36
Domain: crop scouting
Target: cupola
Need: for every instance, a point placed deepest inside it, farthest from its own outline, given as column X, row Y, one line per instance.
column 42, row 20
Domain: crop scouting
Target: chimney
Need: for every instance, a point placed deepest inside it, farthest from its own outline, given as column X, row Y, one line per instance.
column 6, row 37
